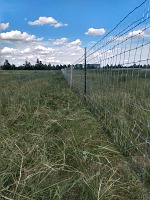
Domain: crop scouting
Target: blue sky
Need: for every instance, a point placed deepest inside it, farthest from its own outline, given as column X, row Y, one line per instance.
column 56, row 31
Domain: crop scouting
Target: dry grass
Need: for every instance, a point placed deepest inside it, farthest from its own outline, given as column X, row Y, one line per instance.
column 52, row 148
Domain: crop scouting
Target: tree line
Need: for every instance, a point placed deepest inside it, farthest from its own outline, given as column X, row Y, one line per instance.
column 40, row 66
column 28, row 66
column 116, row 66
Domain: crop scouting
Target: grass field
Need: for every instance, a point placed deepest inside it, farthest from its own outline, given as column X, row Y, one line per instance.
column 120, row 99
column 52, row 148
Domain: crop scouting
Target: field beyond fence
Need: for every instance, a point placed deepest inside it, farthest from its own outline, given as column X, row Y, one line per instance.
column 122, row 108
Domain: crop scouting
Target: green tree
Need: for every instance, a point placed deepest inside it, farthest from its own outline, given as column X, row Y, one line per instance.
column 39, row 65
column 7, row 65
column 27, row 65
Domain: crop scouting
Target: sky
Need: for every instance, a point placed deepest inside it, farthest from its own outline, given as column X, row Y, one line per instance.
column 56, row 31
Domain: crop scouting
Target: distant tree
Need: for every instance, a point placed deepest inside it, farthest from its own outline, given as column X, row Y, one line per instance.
column 39, row 65
column 78, row 66
column 27, row 65
column 134, row 66
column 64, row 66
column 119, row 66
column 107, row 66
column 57, row 67
column 13, row 66
column 49, row 66
column 6, row 65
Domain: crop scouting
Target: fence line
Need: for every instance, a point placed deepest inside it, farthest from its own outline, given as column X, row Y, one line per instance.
column 117, row 84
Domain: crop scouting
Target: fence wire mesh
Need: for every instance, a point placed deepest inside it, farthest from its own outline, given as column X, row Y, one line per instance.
column 118, row 86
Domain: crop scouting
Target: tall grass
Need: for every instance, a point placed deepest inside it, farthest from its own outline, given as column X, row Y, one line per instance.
column 52, row 148
column 120, row 99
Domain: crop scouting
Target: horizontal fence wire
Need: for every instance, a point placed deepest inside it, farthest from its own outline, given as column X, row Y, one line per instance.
column 118, row 86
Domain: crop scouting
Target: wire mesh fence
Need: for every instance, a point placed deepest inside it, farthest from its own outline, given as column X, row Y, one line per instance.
column 113, row 77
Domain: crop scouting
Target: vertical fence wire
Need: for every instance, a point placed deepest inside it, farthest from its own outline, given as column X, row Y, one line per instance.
column 118, row 86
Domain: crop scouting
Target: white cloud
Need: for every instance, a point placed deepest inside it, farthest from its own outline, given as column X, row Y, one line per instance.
column 43, row 50
column 93, row 31
column 75, row 43
column 57, row 25
column 4, row 26
column 46, row 51
column 97, row 54
column 7, row 50
column 43, row 20
column 47, row 20
column 14, row 36
column 60, row 41
column 134, row 34
column 26, row 50
column 138, row 33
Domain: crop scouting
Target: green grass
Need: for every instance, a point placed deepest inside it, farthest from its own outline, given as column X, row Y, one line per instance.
column 52, row 148
column 120, row 99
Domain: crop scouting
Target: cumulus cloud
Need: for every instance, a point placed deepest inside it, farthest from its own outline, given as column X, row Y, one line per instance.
column 7, row 50
column 14, row 36
column 75, row 43
column 26, row 50
column 43, row 20
column 133, row 34
column 57, row 25
column 43, row 50
column 138, row 33
column 47, row 20
column 60, row 41
column 4, row 26
column 63, row 52
column 93, row 31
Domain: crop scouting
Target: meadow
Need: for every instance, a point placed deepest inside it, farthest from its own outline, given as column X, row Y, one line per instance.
column 52, row 148
column 120, row 100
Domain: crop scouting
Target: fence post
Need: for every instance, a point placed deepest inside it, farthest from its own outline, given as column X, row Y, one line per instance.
column 71, row 74
column 68, row 75
column 85, row 77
